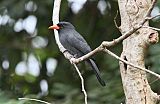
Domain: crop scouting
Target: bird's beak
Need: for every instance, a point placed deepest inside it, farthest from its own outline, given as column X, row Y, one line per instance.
column 54, row 27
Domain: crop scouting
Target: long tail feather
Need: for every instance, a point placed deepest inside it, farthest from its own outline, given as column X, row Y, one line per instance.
column 96, row 71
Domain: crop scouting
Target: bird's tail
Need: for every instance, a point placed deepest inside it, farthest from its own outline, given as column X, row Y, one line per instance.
column 96, row 71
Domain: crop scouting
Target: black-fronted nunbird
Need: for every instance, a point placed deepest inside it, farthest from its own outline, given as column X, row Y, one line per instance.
column 75, row 44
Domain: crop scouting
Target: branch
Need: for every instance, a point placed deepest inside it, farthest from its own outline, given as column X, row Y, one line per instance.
column 98, row 49
column 128, row 63
column 154, row 81
column 134, row 29
column 116, row 22
column 157, row 29
column 82, row 82
column 55, row 20
column 149, row 18
column 41, row 101
column 150, row 9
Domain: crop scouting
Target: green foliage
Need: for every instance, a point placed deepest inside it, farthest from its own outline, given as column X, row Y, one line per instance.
column 64, row 84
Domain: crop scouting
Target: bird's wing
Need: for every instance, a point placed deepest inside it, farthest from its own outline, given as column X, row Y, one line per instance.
column 78, row 42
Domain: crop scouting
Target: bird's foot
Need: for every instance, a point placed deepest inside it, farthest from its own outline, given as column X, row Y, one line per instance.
column 72, row 60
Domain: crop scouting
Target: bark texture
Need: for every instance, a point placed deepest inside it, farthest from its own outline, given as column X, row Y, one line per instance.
column 135, row 83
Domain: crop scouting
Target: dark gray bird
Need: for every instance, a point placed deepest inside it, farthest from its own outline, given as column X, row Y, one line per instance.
column 75, row 44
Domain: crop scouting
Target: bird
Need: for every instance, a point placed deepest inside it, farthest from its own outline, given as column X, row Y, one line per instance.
column 76, row 45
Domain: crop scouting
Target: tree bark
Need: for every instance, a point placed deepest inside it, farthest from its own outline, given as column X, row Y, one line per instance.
column 135, row 84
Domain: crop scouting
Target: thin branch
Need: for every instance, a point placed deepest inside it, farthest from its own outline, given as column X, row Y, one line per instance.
column 82, row 82
column 150, row 9
column 101, row 48
column 98, row 49
column 134, row 29
column 150, row 18
column 154, row 81
column 133, row 65
column 41, row 101
column 55, row 20
column 116, row 22
column 157, row 29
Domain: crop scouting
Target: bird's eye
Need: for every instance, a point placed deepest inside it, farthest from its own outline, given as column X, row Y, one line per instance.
column 60, row 26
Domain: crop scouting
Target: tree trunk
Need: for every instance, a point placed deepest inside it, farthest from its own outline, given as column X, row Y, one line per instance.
column 135, row 83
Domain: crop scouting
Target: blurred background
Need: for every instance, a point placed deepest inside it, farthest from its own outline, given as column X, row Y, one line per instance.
column 32, row 66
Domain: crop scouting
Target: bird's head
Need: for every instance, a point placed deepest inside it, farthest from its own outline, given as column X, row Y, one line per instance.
column 62, row 25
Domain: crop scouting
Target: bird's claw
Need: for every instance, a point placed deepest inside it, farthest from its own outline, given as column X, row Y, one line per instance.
column 72, row 60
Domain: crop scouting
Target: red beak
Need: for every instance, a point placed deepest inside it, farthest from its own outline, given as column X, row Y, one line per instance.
column 54, row 27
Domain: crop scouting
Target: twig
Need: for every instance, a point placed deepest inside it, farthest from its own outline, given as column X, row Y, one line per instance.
column 133, row 65
column 84, row 57
column 34, row 100
column 154, row 81
column 150, row 9
column 116, row 22
column 55, row 20
column 157, row 29
column 82, row 82
column 149, row 18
